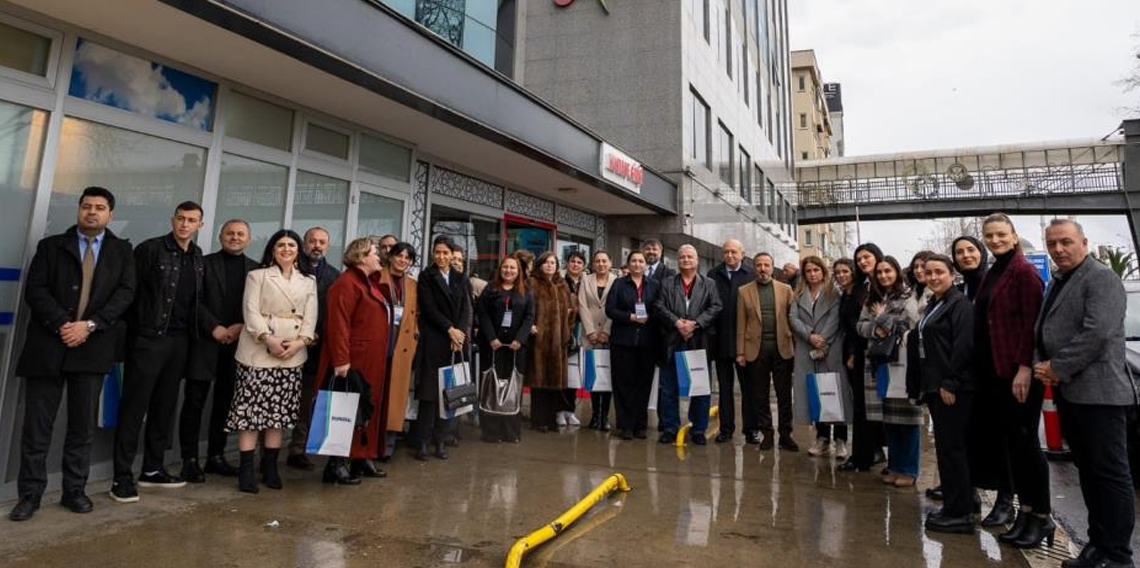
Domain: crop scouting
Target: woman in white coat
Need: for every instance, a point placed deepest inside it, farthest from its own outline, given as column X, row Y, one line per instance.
column 280, row 311
column 592, row 296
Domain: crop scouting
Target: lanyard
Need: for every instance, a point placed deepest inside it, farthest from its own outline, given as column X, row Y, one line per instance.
column 507, row 301
column 929, row 313
column 398, row 290
column 639, row 286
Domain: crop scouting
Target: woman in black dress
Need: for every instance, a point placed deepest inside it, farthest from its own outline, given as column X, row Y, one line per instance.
column 506, row 312
column 633, row 346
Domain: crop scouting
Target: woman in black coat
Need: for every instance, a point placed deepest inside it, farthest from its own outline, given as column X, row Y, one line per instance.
column 633, row 346
column 942, row 345
column 866, row 448
column 502, row 340
column 444, row 297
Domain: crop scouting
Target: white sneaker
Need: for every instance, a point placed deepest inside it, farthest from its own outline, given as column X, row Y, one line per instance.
column 820, row 447
column 841, row 449
column 560, row 418
column 572, row 419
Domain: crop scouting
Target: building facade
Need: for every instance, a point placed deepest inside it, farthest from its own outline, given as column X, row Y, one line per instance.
column 699, row 89
column 364, row 118
column 814, row 139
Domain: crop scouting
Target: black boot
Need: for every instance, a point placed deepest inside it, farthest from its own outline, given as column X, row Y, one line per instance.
column 441, row 451
column 1039, row 528
column 247, row 479
column 421, row 452
column 1018, row 526
column 336, row 471
column 365, row 468
column 1002, row 513
column 269, row 475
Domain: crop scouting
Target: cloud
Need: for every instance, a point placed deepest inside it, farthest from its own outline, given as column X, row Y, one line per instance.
column 134, row 84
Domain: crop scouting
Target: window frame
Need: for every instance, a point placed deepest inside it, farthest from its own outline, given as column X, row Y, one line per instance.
column 51, row 73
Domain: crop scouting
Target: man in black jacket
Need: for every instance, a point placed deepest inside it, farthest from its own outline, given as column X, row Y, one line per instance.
column 729, row 276
column 654, row 263
column 315, row 246
column 212, row 356
column 79, row 285
column 166, row 316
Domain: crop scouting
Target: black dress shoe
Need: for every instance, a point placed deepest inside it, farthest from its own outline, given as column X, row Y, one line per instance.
column 1015, row 531
column 594, row 423
column 934, row 493
column 1039, row 528
column 936, row 522
column 849, row 466
column 788, row 444
column 77, row 502
column 1086, row 559
column 24, row 509
column 752, row 439
column 421, row 452
column 365, row 468
column 699, row 439
column 623, row 434
column 218, row 465
column 1002, row 513
column 667, row 437
column 337, row 472
column 300, row 461
column 723, row 437
column 766, row 443
column 191, row 472
column 441, row 451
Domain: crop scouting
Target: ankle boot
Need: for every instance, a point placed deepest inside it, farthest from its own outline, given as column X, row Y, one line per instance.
column 441, row 451
column 269, row 475
column 1002, row 513
column 421, row 452
column 1038, row 528
column 247, row 479
column 337, row 472
column 1018, row 526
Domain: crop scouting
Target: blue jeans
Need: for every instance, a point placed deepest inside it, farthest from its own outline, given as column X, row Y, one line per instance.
column 903, row 449
column 668, row 403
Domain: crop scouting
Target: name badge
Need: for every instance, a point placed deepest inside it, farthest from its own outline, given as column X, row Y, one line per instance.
column 921, row 349
column 508, row 318
column 397, row 314
column 639, row 310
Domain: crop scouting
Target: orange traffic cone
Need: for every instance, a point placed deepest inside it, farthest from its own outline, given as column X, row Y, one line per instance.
column 1054, row 441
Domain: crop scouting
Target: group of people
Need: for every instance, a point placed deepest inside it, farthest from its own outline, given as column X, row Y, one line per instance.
column 976, row 342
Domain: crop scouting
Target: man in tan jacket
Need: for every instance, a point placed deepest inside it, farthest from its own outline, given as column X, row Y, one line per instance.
column 764, row 348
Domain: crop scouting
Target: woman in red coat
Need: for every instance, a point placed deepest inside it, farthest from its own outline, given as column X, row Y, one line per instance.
column 356, row 337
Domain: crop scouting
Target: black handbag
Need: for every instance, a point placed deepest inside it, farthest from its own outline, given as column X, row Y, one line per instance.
column 458, row 396
column 886, row 349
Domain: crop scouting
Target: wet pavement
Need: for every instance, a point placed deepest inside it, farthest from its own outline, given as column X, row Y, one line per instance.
column 729, row 505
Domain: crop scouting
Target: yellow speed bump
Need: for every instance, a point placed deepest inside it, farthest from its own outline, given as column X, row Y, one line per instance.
column 615, row 482
column 681, row 435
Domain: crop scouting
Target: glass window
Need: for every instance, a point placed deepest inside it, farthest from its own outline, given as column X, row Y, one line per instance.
column 260, row 122
column 23, row 50
column 479, row 236
column 148, row 175
column 123, row 81
column 22, row 132
column 385, row 158
column 724, row 150
column 379, row 215
column 327, row 141
column 727, row 41
column 800, row 78
column 807, row 237
column 758, row 186
column 803, row 120
column 700, row 131
column 254, row 192
column 745, row 171
column 321, row 201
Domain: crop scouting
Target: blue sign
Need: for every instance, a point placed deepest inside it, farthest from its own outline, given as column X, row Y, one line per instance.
column 1041, row 261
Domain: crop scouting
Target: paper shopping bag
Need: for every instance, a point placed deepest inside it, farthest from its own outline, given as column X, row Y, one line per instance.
column 110, row 396
column 653, row 390
column 574, row 371
column 692, row 373
column 334, row 419
column 825, row 404
column 596, row 370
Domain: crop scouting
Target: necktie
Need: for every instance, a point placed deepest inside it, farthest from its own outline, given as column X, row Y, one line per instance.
column 651, row 271
column 88, row 274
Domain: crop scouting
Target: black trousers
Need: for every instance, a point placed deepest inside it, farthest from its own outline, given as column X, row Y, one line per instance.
column 868, row 435
column 771, row 369
column 570, row 401
column 41, row 404
column 726, row 369
column 155, row 365
column 1026, row 460
column 1097, row 436
column 951, row 430
column 632, row 369
column 825, row 430
column 194, row 396
column 600, row 407
column 544, row 405
column 430, row 429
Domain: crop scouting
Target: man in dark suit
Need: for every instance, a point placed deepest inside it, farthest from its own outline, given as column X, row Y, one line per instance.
column 212, row 356
column 165, row 317
column 654, row 264
column 687, row 308
column 729, row 276
column 1081, row 354
column 315, row 246
column 79, row 285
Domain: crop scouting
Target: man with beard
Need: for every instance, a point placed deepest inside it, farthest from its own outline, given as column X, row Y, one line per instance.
column 654, row 265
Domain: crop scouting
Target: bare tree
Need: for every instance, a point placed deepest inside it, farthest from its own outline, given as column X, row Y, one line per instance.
column 1131, row 81
column 944, row 231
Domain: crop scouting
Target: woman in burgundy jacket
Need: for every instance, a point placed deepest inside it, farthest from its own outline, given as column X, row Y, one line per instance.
column 1006, row 309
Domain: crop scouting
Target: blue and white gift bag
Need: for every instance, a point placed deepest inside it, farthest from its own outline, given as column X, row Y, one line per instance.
column 596, row 376
column 109, row 397
column 692, row 373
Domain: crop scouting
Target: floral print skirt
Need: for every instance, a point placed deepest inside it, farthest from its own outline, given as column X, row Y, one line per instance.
column 265, row 398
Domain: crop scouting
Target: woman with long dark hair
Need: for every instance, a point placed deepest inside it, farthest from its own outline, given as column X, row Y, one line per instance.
column 916, row 278
column 844, row 271
column 546, row 362
column 1006, row 310
column 506, row 314
column 890, row 308
column 279, row 307
column 633, row 345
column 866, row 448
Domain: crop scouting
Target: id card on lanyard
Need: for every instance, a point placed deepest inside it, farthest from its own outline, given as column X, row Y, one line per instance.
column 639, row 310
column 922, row 328
column 508, row 314
column 398, row 305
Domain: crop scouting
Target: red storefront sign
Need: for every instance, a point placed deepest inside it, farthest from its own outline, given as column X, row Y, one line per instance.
column 621, row 169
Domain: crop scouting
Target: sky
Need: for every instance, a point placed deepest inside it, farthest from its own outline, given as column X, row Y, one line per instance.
column 965, row 73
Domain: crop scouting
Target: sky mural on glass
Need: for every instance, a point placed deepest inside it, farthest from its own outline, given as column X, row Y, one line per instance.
column 123, row 81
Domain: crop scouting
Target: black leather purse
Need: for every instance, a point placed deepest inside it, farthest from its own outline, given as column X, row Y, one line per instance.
column 459, row 396
column 886, row 349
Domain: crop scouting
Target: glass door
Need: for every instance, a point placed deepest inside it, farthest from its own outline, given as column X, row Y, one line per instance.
column 479, row 236
column 521, row 233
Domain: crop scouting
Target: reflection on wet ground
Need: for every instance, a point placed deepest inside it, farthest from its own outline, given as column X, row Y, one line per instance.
column 722, row 504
